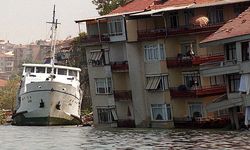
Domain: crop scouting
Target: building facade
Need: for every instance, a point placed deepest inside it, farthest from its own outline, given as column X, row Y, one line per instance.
column 144, row 61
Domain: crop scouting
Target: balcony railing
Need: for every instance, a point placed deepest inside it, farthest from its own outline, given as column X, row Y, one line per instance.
column 191, row 29
column 95, row 39
column 152, row 34
column 121, row 66
column 198, row 92
column 188, row 61
column 122, row 95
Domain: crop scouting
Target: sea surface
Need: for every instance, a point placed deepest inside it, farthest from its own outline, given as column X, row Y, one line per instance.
column 89, row 138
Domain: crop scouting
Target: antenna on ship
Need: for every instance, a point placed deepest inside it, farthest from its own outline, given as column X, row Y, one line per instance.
column 54, row 24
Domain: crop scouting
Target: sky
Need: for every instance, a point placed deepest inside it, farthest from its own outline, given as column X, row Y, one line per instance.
column 24, row 21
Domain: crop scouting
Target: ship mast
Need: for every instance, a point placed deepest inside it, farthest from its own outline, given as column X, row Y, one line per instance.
column 54, row 24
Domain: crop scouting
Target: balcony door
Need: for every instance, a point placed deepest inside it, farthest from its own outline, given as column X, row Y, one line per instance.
column 244, row 51
column 230, row 50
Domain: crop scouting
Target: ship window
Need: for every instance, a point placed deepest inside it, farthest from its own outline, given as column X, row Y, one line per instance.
column 62, row 71
column 73, row 73
column 30, row 69
column 40, row 70
column 49, row 70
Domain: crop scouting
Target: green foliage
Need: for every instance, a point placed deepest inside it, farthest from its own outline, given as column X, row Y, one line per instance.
column 8, row 93
column 106, row 6
column 79, row 59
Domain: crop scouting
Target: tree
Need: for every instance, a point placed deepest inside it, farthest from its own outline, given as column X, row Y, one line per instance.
column 106, row 6
column 8, row 93
column 78, row 59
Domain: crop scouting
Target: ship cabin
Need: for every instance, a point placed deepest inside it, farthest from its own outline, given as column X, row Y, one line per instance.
column 42, row 72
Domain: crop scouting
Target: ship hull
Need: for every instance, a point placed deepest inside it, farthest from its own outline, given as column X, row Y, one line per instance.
column 48, row 103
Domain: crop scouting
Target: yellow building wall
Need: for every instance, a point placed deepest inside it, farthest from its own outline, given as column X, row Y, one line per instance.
column 121, row 81
column 131, row 30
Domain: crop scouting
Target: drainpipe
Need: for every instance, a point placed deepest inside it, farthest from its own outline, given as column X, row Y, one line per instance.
column 99, row 30
column 165, row 23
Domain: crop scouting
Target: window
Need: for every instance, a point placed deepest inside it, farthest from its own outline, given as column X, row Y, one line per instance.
column 192, row 79
column 106, row 115
column 188, row 15
column 217, row 80
column 154, row 52
column 49, row 70
column 230, row 50
column 239, row 8
column 99, row 58
column 188, row 48
column 40, row 70
column 8, row 69
column 103, row 86
column 161, row 112
column 215, row 15
column 174, row 20
column 115, row 27
column 30, row 69
column 195, row 110
column 234, row 83
column 244, row 51
column 62, row 71
column 159, row 83
column 73, row 73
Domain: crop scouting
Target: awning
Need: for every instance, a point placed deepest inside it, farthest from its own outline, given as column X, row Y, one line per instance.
column 114, row 114
column 95, row 56
column 153, row 83
column 224, row 103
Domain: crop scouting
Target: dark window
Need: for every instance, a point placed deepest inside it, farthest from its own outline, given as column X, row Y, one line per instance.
column 174, row 20
column 192, row 80
column 230, row 50
column 40, row 70
column 244, row 51
column 30, row 69
column 215, row 15
column 49, row 70
column 234, row 83
column 188, row 15
column 62, row 71
column 105, row 115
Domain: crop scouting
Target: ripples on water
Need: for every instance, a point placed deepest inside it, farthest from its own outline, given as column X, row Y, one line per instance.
column 74, row 138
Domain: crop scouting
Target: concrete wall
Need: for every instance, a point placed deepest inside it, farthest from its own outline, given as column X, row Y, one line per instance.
column 136, row 73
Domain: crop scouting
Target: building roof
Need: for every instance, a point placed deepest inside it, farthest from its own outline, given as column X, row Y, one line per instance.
column 233, row 30
column 148, row 7
column 3, row 83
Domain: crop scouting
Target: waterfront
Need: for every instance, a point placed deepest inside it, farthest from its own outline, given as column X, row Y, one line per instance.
column 54, row 138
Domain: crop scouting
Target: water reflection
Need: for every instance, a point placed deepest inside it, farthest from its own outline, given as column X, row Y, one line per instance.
column 23, row 138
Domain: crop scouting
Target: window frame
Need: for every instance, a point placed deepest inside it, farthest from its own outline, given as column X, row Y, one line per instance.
column 195, row 104
column 107, row 86
column 166, row 111
column 154, row 52
column 234, row 83
column 163, row 83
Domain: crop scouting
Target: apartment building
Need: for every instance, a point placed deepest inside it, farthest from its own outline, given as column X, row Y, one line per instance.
column 144, row 61
column 234, row 37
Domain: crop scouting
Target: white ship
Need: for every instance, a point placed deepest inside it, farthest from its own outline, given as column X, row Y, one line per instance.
column 49, row 97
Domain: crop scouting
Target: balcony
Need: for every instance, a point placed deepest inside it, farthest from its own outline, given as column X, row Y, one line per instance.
column 188, row 61
column 95, row 39
column 121, row 66
column 191, row 29
column 198, row 92
column 144, row 35
column 123, row 95
column 152, row 34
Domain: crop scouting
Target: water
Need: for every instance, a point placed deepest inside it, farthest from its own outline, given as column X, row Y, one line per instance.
column 74, row 138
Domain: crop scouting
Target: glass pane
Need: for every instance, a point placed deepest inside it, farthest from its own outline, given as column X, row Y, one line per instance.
column 49, row 70
column 40, row 70
column 62, row 71
column 73, row 73
column 29, row 69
